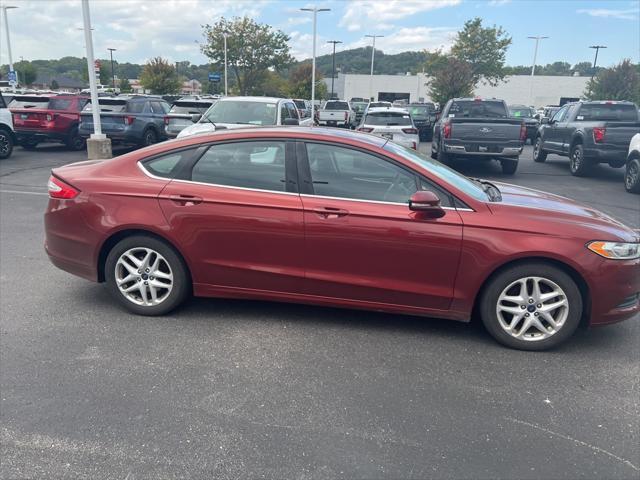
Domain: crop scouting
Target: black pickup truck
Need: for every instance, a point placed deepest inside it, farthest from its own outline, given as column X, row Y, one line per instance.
column 588, row 132
column 480, row 129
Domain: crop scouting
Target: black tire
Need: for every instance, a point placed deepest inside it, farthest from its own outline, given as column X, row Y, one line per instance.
column 509, row 166
column 74, row 141
column 632, row 176
column 29, row 144
column 502, row 280
column 539, row 155
column 443, row 157
column 149, row 137
column 6, row 143
column 181, row 279
column 579, row 166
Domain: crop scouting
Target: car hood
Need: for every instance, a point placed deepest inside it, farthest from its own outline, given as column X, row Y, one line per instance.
column 549, row 208
column 206, row 127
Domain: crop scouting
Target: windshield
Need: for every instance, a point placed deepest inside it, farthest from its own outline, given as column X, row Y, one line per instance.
column 477, row 109
column 241, row 112
column 465, row 184
column 190, row 108
column 521, row 112
column 379, row 104
column 387, row 118
column 336, row 106
column 615, row 112
column 359, row 106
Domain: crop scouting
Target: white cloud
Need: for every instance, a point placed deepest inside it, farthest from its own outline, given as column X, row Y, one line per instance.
column 363, row 12
column 411, row 38
column 629, row 14
column 498, row 3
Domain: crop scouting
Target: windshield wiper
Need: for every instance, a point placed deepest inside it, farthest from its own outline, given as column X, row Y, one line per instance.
column 493, row 192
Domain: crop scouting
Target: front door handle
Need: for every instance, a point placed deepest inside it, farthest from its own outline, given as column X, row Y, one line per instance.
column 184, row 200
column 330, row 212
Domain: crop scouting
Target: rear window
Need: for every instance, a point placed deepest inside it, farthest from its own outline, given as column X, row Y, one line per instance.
column 420, row 111
column 190, row 108
column 60, row 104
column 108, row 105
column 388, row 119
column 477, row 109
column 336, row 106
column 29, row 102
column 615, row 112
column 521, row 112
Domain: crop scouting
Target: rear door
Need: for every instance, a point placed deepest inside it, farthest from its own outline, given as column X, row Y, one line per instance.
column 238, row 216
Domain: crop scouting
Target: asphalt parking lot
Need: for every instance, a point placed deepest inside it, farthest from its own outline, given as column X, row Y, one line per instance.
column 234, row 389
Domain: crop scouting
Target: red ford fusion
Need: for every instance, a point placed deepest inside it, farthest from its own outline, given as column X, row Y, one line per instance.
column 339, row 218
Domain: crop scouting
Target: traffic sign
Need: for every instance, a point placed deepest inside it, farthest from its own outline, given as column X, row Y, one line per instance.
column 12, row 77
column 214, row 77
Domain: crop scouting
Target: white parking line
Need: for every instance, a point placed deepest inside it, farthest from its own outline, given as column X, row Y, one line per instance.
column 24, row 192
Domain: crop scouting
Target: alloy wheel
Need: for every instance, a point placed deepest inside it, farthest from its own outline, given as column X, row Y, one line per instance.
column 4, row 144
column 631, row 177
column 532, row 308
column 143, row 276
column 576, row 160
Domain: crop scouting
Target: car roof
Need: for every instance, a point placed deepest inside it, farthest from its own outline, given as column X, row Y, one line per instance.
column 387, row 109
column 253, row 99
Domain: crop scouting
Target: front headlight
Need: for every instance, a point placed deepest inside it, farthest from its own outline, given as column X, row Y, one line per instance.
column 616, row 250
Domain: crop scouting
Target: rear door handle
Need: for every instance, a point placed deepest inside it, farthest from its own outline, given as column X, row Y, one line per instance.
column 330, row 212
column 184, row 200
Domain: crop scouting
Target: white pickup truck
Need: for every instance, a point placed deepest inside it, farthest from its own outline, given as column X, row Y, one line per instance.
column 337, row 113
column 7, row 136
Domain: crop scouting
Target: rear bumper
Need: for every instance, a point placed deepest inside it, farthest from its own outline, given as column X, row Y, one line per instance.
column 122, row 136
column 488, row 150
column 40, row 135
column 606, row 154
column 333, row 123
column 615, row 292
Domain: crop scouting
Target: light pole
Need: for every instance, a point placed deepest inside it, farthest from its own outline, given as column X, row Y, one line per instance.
column 315, row 11
column 6, row 28
column 533, row 67
column 333, row 64
column 373, row 56
column 226, row 84
column 595, row 60
column 113, row 75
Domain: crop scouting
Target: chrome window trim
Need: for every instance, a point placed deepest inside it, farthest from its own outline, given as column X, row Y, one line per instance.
column 376, row 201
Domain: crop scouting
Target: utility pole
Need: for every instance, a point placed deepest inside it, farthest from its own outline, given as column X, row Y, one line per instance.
column 333, row 64
column 6, row 29
column 315, row 11
column 373, row 56
column 533, row 67
column 226, row 84
column 113, row 75
column 595, row 61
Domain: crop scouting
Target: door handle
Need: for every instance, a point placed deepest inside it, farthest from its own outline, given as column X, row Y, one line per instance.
column 330, row 212
column 184, row 200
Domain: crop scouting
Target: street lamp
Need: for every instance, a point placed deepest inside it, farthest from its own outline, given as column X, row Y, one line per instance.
column 333, row 64
column 373, row 56
column 533, row 67
column 595, row 60
column 315, row 11
column 226, row 84
column 113, row 75
column 6, row 28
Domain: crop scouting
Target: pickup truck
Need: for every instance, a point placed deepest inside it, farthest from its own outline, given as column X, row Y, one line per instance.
column 7, row 136
column 588, row 132
column 337, row 113
column 632, row 173
column 56, row 120
column 479, row 129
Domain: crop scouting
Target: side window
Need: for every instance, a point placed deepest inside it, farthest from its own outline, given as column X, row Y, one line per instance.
column 284, row 113
column 166, row 165
column 258, row 165
column 293, row 111
column 347, row 173
column 559, row 116
column 446, row 199
column 136, row 107
column 156, row 108
column 570, row 112
column 2, row 102
column 81, row 104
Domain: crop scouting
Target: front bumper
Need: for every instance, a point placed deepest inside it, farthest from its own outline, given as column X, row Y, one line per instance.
column 615, row 292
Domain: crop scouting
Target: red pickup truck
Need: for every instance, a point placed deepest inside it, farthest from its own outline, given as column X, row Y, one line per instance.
column 54, row 121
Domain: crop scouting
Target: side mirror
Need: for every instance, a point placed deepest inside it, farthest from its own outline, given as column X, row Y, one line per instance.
column 291, row 121
column 426, row 203
column 545, row 121
column 195, row 118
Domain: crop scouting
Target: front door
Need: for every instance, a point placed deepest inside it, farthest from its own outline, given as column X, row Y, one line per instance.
column 238, row 216
column 362, row 242
column 554, row 132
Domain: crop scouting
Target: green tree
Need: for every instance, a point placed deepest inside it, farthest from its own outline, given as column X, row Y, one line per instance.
column 27, row 72
column 300, row 83
column 621, row 82
column 252, row 49
column 273, row 85
column 583, row 68
column 54, row 85
column 484, row 49
column 451, row 78
column 160, row 77
column 125, row 85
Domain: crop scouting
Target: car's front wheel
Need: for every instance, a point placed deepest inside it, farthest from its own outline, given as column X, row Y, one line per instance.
column 531, row 306
column 632, row 176
column 146, row 275
column 539, row 155
column 6, row 143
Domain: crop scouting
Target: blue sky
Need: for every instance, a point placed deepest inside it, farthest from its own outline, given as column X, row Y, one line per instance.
column 141, row 29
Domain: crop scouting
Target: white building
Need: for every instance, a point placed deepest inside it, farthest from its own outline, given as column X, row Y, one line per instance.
column 516, row 89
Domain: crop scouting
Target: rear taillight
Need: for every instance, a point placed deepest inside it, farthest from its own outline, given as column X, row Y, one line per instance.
column 128, row 120
column 598, row 134
column 365, row 129
column 166, row 120
column 446, row 130
column 59, row 189
column 523, row 132
column 410, row 131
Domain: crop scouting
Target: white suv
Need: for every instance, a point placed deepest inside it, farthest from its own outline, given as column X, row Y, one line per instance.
column 393, row 123
column 7, row 137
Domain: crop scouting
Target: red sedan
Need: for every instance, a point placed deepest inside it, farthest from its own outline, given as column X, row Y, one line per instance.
column 344, row 219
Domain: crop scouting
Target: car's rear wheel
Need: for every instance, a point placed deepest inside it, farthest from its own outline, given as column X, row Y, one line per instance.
column 539, row 155
column 443, row 157
column 632, row 176
column 75, row 141
column 578, row 164
column 149, row 137
column 509, row 166
column 531, row 306
column 29, row 144
column 146, row 275
column 6, row 143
